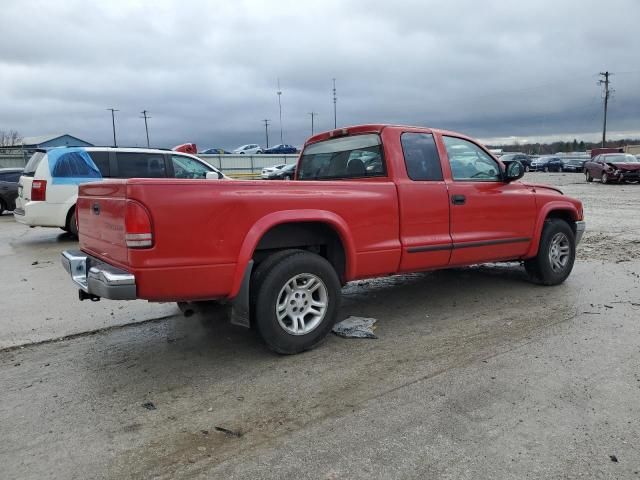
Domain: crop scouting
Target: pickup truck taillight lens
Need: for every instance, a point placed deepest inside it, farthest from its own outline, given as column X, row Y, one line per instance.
column 39, row 190
column 138, row 231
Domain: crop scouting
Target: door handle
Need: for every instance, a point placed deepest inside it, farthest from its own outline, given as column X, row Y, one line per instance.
column 458, row 199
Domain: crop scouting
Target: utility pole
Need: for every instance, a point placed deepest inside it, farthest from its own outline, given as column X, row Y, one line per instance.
column 266, row 130
column 607, row 93
column 279, row 92
column 313, row 114
column 335, row 99
column 146, row 128
column 113, row 122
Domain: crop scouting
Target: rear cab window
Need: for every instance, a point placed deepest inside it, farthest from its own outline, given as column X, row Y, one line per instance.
column 357, row 156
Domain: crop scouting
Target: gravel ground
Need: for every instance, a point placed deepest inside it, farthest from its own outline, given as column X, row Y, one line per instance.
column 476, row 374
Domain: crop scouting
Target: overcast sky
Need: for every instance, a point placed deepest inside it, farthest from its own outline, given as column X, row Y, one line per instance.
column 207, row 70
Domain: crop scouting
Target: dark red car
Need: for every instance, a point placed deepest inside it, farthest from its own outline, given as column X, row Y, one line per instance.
column 613, row 167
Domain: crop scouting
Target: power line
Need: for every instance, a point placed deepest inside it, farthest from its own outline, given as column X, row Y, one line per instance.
column 113, row 123
column 607, row 93
column 266, row 130
column 313, row 114
column 146, row 127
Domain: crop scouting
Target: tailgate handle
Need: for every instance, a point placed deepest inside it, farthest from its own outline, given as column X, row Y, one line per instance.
column 96, row 208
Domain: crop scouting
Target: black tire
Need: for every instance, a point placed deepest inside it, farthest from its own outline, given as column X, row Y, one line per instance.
column 545, row 169
column 287, row 177
column 2, row 206
column 527, row 168
column 270, row 282
column 540, row 268
column 604, row 178
column 588, row 176
column 72, row 226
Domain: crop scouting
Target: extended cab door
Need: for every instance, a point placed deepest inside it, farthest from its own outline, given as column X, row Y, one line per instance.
column 490, row 219
column 424, row 203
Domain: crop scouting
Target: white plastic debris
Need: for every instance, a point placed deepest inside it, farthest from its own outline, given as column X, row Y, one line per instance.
column 355, row 327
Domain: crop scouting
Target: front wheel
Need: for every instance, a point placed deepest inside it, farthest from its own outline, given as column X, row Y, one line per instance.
column 527, row 168
column 297, row 302
column 556, row 254
column 546, row 169
column 605, row 177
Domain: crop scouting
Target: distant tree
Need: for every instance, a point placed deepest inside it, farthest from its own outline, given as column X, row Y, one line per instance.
column 10, row 138
column 581, row 146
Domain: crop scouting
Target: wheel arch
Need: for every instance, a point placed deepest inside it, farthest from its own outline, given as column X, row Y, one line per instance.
column 298, row 229
column 562, row 210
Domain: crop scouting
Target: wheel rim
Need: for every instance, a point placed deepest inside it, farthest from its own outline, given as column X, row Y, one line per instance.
column 559, row 251
column 302, row 304
column 604, row 178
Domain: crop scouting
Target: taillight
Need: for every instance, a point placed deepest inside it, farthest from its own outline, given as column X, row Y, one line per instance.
column 137, row 222
column 39, row 190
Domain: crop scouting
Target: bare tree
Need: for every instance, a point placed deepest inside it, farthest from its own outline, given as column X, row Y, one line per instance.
column 10, row 138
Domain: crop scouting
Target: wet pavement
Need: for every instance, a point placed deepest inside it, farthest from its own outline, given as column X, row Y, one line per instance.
column 476, row 373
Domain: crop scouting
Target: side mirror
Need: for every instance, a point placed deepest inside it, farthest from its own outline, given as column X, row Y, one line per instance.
column 215, row 175
column 514, row 171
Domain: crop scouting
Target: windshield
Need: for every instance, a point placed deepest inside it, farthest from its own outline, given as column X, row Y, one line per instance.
column 32, row 165
column 626, row 158
column 356, row 156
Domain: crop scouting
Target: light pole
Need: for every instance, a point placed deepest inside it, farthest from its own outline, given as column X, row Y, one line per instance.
column 113, row 123
column 279, row 92
column 313, row 114
column 335, row 100
column 146, row 128
column 266, row 130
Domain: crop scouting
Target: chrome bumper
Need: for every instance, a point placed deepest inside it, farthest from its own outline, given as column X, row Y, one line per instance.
column 98, row 279
column 580, row 226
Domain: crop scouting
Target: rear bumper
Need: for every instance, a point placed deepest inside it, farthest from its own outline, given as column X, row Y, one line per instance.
column 98, row 278
column 580, row 228
column 42, row 214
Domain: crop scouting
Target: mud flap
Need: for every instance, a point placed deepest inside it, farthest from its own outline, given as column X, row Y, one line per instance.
column 240, row 309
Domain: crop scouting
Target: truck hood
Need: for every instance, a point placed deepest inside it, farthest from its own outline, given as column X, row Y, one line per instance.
column 539, row 186
column 625, row 167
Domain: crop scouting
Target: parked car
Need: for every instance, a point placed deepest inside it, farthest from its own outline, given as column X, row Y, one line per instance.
column 613, row 167
column 48, row 187
column 279, row 255
column 281, row 149
column 249, row 149
column 190, row 148
column 573, row 164
column 215, row 151
column 521, row 157
column 9, row 188
column 547, row 163
column 279, row 172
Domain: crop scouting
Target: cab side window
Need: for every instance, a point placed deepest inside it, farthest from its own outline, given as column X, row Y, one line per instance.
column 185, row 167
column 469, row 162
column 421, row 156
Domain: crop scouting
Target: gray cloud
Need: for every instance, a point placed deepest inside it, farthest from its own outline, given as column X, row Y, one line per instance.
column 207, row 70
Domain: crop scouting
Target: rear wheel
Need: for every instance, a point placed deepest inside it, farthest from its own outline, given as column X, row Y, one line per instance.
column 545, row 169
column 72, row 224
column 296, row 301
column 588, row 176
column 556, row 254
column 2, row 206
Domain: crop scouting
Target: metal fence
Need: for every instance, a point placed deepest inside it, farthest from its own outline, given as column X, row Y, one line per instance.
column 13, row 160
column 247, row 165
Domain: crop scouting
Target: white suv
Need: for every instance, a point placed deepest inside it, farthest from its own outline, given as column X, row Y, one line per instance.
column 249, row 149
column 48, row 187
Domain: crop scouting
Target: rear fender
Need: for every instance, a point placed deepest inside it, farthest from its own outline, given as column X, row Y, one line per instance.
column 543, row 214
column 267, row 222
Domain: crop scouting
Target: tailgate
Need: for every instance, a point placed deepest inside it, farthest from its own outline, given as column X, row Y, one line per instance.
column 101, row 215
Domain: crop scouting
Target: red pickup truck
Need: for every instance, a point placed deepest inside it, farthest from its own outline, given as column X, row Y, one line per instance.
column 367, row 201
